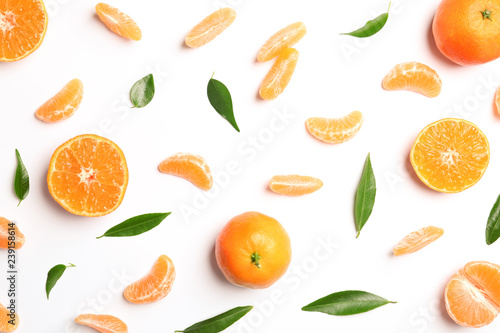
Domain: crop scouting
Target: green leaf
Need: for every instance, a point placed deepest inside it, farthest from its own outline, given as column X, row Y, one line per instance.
column 371, row 27
column 54, row 275
column 493, row 225
column 219, row 323
column 347, row 303
column 220, row 98
column 365, row 196
column 21, row 180
column 142, row 91
column 136, row 225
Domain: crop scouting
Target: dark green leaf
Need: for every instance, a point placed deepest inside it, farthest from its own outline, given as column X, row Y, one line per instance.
column 371, row 27
column 365, row 196
column 347, row 303
column 21, row 180
column 136, row 225
column 54, row 275
column 220, row 98
column 219, row 323
column 142, row 91
column 493, row 226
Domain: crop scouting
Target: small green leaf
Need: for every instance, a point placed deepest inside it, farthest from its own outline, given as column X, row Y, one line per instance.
column 220, row 98
column 54, row 275
column 365, row 196
column 21, row 180
column 136, row 225
column 142, row 91
column 219, row 323
column 347, row 303
column 371, row 27
column 493, row 225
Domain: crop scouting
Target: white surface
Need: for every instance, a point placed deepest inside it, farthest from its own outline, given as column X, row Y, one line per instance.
column 327, row 82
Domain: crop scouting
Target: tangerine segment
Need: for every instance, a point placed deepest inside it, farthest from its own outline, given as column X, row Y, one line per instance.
column 118, row 22
column 23, row 24
column 497, row 100
column 88, row 175
column 102, row 323
column 154, row 286
column 335, row 130
column 294, row 185
column 7, row 323
column 6, row 232
column 280, row 74
column 450, row 155
column 285, row 38
column 211, row 26
column 413, row 76
column 190, row 167
column 63, row 105
column 487, row 277
column 417, row 240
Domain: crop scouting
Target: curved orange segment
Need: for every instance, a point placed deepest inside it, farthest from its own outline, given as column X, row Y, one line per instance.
column 294, row 185
column 7, row 323
column 279, row 76
column 102, row 323
column 497, row 100
column 417, row 240
column 211, row 26
column 413, row 76
column 283, row 39
column 335, row 130
column 190, row 167
column 118, row 22
column 63, row 105
column 6, row 232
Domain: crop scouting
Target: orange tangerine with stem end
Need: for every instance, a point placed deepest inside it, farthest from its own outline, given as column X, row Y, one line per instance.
column 279, row 76
column 417, row 240
column 335, row 130
column 211, row 26
column 63, row 105
column 190, row 167
column 23, row 24
column 283, row 39
column 102, row 323
column 413, row 76
column 88, row 175
column 154, row 286
column 7, row 323
column 450, row 155
column 118, row 22
column 6, row 231
column 294, row 185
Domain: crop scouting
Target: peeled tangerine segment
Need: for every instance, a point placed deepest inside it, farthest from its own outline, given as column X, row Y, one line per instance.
column 294, row 185
column 497, row 100
column 285, row 38
column 335, row 130
column 63, row 105
column 210, row 27
column 190, row 167
column 417, row 240
column 279, row 76
column 118, row 22
column 102, row 323
column 6, row 232
column 8, row 324
column 413, row 76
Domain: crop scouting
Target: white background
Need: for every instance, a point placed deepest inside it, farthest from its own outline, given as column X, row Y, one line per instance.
column 335, row 75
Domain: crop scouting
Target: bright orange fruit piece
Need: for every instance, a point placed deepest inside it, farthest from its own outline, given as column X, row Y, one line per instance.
column 472, row 296
column 211, row 26
column 154, row 286
column 280, row 74
column 413, row 76
column 7, row 323
column 88, row 175
column 497, row 100
column 102, row 323
column 417, row 240
column 23, row 24
column 294, row 185
column 118, row 22
column 335, row 130
column 6, row 232
column 283, row 39
column 63, row 105
column 190, row 167
column 450, row 155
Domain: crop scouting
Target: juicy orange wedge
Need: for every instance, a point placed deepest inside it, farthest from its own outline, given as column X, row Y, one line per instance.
column 497, row 100
column 283, row 39
column 23, row 24
column 6, row 232
column 88, row 175
column 417, row 240
column 294, row 185
column 63, row 105
column 413, row 76
column 190, row 167
column 211, row 26
column 450, row 155
column 154, row 286
column 118, row 22
column 335, row 130
column 102, row 323
column 280, row 74
column 7, row 323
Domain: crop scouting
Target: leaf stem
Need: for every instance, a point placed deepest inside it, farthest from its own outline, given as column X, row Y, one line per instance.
column 70, row 265
column 99, row 237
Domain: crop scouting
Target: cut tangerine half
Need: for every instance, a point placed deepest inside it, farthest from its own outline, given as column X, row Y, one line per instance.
column 283, row 39
column 335, row 130
column 7, row 231
column 102, row 323
column 294, row 185
column 450, row 155
column 279, row 76
column 211, row 26
column 417, row 240
column 7, row 323
column 63, row 105
column 118, row 22
column 190, row 167
column 88, row 175
column 413, row 76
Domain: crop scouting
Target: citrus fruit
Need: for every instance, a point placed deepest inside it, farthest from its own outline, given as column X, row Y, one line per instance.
column 497, row 100
column 417, row 240
column 211, row 26
column 413, row 76
column 294, row 185
column 102, row 323
column 335, row 130
column 467, row 31
column 63, row 104
column 280, row 74
column 118, row 22
column 190, row 167
column 253, row 250
column 283, row 39
column 450, row 155
column 88, row 175
column 6, row 232
column 7, row 323
column 472, row 296
column 23, row 24
column 154, row 286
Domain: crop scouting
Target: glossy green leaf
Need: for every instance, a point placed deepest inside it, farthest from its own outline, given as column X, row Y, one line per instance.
column 136, row 225
column 365, row 196
column 142, row 91
column 219, row 323
column 21, row 180
column 371, row 27
column 220, row 98
column 493, row 225
column 54, row 275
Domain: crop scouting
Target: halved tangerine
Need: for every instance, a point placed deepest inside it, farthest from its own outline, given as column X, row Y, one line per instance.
column 279, row 76
column 335, row 130
column 63, row 105
column 283, row 39
column 417, row 240
column 118, row 22
column 413, row 76
column 294, row 185
column 102, row 323
column 210, row 27
column 190, row 167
